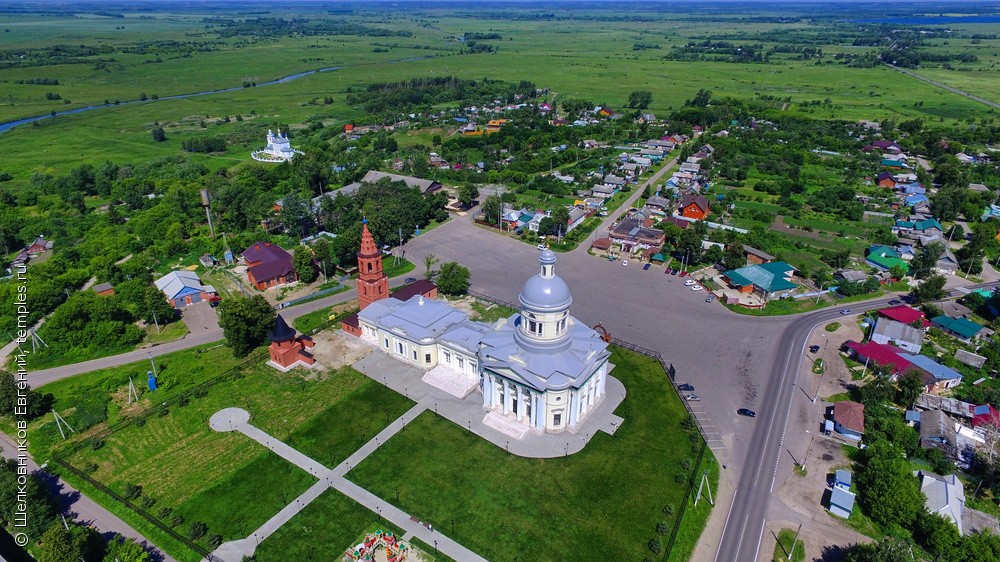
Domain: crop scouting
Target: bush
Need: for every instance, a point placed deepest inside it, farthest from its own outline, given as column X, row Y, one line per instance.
column 89, row 468
column 197, row 530
column 215, row 541
column 176, row 520
column 96, row 443
column 164, row 412
column 133, row 491
column 147, row 502
column 164, row 513
column 139, row 422
column 668, row 510
column 655, row 546
column 662, row 528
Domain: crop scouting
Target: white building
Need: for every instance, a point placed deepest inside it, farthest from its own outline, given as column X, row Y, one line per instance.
column 540, row 368
column 278, row 149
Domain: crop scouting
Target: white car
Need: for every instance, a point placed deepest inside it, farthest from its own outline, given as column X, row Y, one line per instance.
column 541, row 246
column 690, row 282
column 696, row 288
column 624, row 263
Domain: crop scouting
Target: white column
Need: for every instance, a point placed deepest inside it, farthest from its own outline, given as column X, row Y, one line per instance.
column 487, row 391
column 506, row 397
column 539, row 411
column 521, row 400
column 603, row 374
column 574, row 405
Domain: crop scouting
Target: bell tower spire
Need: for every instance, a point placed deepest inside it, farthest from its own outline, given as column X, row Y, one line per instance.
column 373, row 285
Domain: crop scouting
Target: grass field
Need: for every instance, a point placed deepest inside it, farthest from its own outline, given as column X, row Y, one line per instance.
column 784, row 551
column 607, row 498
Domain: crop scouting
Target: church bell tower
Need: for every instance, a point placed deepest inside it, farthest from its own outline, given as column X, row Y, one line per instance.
column 373, row 285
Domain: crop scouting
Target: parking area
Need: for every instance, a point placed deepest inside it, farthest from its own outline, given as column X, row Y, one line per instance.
column 200, row 317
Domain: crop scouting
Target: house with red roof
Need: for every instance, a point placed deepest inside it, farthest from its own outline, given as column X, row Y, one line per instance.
column 849, row 419
column 880, row 354
column 985, row 415
column 904, row 314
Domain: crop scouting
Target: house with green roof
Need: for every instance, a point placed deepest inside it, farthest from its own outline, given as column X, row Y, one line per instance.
column 921, row 226
column 764, row 279
column 961, row 328
column 885, row 258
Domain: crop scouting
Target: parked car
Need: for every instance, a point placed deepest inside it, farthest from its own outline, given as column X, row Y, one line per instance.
column 845, row 311
column 894, row 302
column 696, row 287
column 409, row 280
column 690, row 282
column 685, row 387
column 683, row 273
column 645, row 267
column 673, row 272
column 624, row 263
column 692, row 398
column 747, row 412
column 541, row 246
column 709, row 299
column 813, row 348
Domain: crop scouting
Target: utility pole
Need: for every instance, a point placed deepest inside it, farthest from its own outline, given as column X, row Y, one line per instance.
column 155, row 321
column 150, row 354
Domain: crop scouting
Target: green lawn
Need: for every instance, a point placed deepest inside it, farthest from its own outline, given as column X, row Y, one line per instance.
column 490, row 313
column 173, row 331
column 607, row 498
column 223, row 479
column 783, row 551
column 780, row 307
column 396, row 269
column 312, row 320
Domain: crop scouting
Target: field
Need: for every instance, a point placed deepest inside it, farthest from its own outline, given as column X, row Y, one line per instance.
column 499, row 505
column 586, row 58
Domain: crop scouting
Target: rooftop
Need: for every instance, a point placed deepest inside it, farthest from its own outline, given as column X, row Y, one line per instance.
column 770, row 277
column 850, row 415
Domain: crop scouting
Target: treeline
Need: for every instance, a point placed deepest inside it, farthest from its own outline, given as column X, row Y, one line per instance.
column 277, row 27
column 474, row 47
column 40, row 81
column 718, row 51
column 204, row 144
column 404, row 95
column 473, row 36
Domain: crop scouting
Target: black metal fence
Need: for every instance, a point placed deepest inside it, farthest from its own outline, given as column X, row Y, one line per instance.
column 692, row 481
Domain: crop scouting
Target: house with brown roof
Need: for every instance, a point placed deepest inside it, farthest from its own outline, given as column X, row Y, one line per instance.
column 631, row 235
column 756, row 256
column 694, row 206
column 849, row 419
column 269, row 265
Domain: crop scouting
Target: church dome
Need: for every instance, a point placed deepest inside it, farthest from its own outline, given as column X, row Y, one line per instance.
column 546, row 292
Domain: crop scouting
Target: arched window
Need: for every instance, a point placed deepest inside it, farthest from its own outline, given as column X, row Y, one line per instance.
column 369, row 266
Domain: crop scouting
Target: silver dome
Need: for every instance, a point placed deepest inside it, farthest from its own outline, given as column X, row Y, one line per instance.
column 546, row 293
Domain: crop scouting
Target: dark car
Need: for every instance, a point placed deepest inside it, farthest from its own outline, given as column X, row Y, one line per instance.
column 813, row 348
column 673, row 272
column 410, row 280
column 645, row 267
column 894, row 302
column 685, row 387
column 746, row 412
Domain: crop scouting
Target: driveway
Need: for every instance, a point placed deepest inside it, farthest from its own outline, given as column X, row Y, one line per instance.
column 200, row 317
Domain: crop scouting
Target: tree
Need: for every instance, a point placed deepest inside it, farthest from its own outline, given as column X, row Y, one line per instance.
column 935, row 533
column 910, row 387
column 38, row 404
column 889, row 549
column 121, row 549
column 302, row 261
column 923, row 263
column 734, row 258
column 158, row 134
column 155, row 309
column 467, row 194
column 246, row 322
column 294, row 214
column 491, row 207
column 560, row 218
column 640, row 99
column 453, row 279
column 41, row 505
column 429, row 261
column 897, row 271
column 889, row 492
column 59, row 544
column 931, row 289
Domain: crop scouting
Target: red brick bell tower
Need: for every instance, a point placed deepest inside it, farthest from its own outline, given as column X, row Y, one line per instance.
column 373, row 285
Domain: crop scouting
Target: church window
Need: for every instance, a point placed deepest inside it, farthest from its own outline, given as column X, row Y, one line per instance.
column 447, row 357
column 557, row 419
column 461, row 363
column 369, row 266
column 399, row 347
column 532, row 326
column 414, row 354
column 387, row 343
column 427, row 358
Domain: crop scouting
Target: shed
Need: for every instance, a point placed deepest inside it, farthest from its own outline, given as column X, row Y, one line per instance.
column 841, row 502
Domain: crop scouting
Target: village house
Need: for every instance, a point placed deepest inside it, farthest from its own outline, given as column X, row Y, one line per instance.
column 765, row 280
column 755, row 256
column 849, row 419
column 960, row 328
column 268, row 265
column 183, row 287
column 694, row 206
column 901, row 335
column 945, row 496
column 632, row 235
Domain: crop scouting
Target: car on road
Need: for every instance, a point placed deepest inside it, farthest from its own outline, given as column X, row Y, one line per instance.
column 541, row 246
column 409, row 280
column 683, row 273
column 747, row 412
column 673, row 272
column 709, row 299
column 645, row 267
column 845, row 311
column 685, row 387
column 624, row 263
column 692, row 398
column 813, row 348
column 894, row 302
column 690, row 282
column 696, row 288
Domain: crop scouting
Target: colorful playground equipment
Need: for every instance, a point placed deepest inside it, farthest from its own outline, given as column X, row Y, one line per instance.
column 395, row 550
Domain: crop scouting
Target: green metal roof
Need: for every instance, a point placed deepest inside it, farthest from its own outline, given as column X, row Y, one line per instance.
column 658, row 257
column 965, row 328
column 770, row 277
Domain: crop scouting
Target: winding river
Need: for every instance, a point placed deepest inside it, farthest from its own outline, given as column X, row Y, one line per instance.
column 4, row 127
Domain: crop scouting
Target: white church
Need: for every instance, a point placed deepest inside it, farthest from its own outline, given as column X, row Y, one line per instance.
column 278, row 149
column 540, row 368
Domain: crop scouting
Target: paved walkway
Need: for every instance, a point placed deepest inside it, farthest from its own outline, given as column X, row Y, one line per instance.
column 238, row 419
column 468, row 412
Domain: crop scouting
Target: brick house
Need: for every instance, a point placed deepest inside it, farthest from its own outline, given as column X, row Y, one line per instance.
column 269, row 265
column 694, row 206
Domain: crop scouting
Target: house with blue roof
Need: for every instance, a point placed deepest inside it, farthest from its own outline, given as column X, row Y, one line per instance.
column 937, row 377
column 911, row 188
column 916, row 199
column 765, row 279
column 842, row 499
